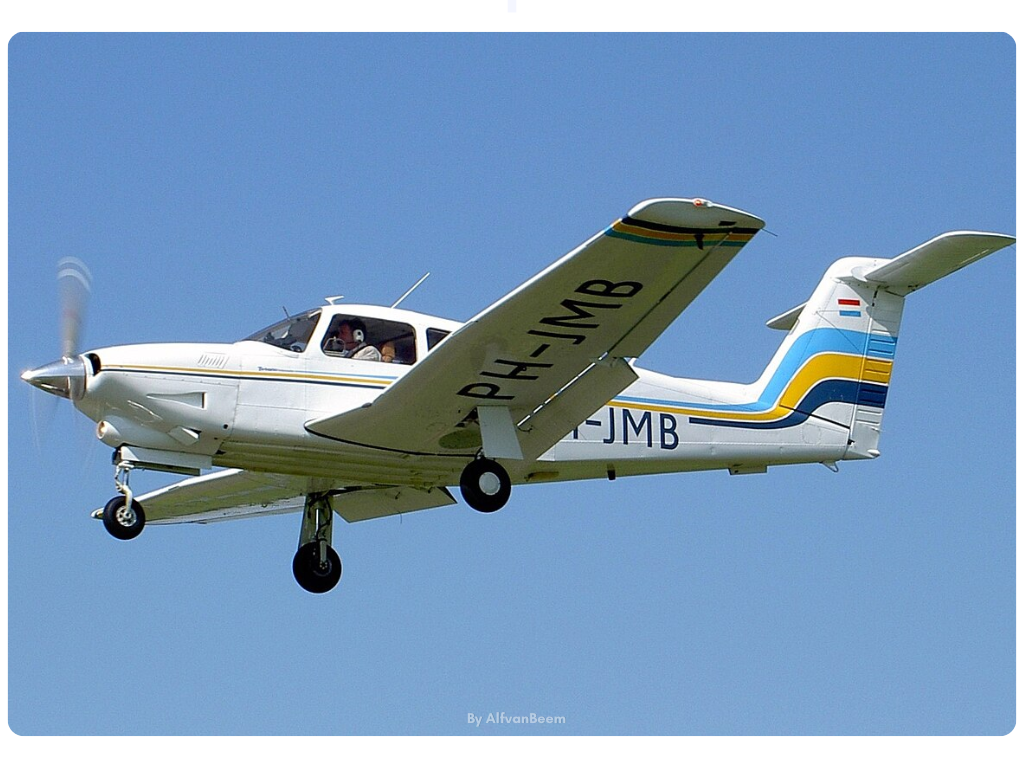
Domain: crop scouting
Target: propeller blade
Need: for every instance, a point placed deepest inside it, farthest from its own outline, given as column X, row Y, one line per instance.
column 42, row 410
column 74, row 283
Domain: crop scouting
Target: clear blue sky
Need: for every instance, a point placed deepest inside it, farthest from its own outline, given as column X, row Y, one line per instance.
column 207, row 181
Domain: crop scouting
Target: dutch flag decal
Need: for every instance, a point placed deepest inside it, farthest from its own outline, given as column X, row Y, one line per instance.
column 849, row 307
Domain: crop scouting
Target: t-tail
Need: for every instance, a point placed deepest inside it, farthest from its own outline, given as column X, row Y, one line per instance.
column 820, row 399
column 836, row 362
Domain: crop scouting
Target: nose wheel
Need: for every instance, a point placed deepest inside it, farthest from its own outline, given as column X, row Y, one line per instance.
column 485, row 485
column 123, row 516
column 123, row 519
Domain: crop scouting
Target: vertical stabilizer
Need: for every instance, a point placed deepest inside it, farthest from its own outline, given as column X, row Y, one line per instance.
column 836, row 362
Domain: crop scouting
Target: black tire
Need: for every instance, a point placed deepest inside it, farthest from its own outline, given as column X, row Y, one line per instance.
column 307, row 571
column 485, row 485
column 121, row 523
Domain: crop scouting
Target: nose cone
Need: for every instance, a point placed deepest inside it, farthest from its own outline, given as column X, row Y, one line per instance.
column 64, row 378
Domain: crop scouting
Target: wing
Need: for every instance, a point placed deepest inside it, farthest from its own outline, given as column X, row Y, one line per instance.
column 234, row 494
column 521, row 374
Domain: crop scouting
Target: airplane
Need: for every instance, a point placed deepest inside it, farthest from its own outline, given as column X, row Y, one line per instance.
column 369, row 411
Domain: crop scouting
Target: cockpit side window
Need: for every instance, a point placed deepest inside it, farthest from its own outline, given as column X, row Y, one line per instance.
column 435, row 336
column 367, row 338
column 291, row 333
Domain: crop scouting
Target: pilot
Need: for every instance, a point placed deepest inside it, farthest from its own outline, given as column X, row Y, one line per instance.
column 352, row 339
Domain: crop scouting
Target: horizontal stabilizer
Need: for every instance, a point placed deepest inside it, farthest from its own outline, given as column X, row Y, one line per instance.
column 935, row 259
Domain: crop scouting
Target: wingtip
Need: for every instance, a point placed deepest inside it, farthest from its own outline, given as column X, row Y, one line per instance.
column 696, row 212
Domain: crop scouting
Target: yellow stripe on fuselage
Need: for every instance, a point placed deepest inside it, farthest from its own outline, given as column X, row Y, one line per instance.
column 829, row 365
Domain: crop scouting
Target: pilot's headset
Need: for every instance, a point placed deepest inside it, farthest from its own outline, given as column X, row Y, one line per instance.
column 358, row 330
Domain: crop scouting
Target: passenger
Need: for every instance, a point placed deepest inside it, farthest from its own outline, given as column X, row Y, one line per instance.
column 351, row 342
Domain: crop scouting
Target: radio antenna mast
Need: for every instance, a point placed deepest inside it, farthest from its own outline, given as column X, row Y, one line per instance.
column 406, row 294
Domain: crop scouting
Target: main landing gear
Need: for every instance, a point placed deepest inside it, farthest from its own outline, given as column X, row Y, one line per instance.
column 485, row 485
column 316, row 566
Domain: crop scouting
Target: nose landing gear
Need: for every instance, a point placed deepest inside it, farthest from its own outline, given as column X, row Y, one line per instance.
column 123, row 516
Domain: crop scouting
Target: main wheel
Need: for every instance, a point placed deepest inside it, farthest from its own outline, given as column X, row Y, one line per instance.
column 121, row 521
column 308, row 572
column 485, row 485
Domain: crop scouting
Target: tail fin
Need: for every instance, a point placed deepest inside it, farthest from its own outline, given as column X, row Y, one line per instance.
column 836, row 361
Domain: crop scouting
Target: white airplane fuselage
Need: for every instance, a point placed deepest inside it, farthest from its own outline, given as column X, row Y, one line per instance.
column 245, row 405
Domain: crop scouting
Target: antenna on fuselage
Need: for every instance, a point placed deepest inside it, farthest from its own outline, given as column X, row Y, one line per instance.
column 406, row 294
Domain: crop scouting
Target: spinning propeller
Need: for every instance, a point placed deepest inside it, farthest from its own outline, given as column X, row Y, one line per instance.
column 66, row 377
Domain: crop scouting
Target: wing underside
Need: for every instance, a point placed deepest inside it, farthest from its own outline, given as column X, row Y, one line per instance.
column 234, row 494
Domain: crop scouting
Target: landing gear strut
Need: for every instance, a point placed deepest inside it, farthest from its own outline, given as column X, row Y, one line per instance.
column 123, row 516
column 485, row 485
column 317, row 567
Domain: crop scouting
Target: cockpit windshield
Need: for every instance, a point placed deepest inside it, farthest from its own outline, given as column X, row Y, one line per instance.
column 292, row 333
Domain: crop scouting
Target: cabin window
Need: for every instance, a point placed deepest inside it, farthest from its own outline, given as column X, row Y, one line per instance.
column 367, row 338
column 434, row 336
